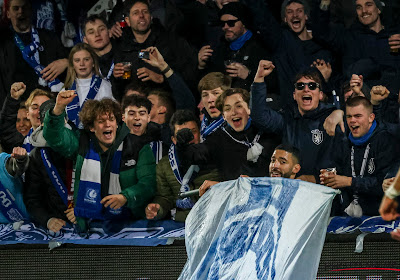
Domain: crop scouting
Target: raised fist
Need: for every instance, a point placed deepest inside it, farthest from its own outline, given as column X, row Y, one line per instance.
column 184, row 136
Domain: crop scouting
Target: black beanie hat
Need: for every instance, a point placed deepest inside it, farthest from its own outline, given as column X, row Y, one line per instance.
column 238, row 10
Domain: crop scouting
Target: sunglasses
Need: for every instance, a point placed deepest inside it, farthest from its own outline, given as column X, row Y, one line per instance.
column 230, row 23
column 311, row 85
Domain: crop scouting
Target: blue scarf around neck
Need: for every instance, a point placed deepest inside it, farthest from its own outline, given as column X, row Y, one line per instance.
column 358, row 141
column 239, row 42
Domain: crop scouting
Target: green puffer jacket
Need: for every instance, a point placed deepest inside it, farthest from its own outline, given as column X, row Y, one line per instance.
column 137, row 169
column 168, row 189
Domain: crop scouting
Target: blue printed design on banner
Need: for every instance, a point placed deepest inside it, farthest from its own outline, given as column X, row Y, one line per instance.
column 233, row 245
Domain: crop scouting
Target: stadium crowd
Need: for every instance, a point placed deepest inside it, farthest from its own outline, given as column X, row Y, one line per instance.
column 110, row 117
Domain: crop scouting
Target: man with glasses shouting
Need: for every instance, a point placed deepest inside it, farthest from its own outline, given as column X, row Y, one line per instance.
column 302, row 126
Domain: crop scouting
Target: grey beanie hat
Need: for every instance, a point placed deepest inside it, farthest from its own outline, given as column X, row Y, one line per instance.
column 288, row 2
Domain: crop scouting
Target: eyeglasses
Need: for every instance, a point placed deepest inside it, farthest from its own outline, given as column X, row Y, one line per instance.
column 230, row 23
column 311, row 85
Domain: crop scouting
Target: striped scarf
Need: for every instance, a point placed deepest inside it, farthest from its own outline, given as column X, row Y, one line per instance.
column 27, row 145
column 89, row 194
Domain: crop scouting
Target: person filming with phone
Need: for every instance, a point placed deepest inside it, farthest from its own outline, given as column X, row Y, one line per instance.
column 142, row 34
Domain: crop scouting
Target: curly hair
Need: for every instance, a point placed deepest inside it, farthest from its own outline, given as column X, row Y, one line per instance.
column 95, row 108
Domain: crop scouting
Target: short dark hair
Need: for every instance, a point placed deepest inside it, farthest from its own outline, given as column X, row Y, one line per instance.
column 291, row 150
column 136, row 100
column 310, row 73
column 129, row 4
column 136, row 85
column 360, row 100
column 92, row 18
column 219, row 103
column 183, row 116
column 165, row 99
column 94, row 108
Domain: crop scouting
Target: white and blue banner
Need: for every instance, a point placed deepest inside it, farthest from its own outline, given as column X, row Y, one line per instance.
column 136, row 233
column 257, row 228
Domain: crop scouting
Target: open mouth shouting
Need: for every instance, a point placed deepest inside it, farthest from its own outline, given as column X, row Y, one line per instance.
column 275, row 172
column 355, row 130
column 237, row 122
column 137, row 128
column 296, row 23
column 307, row 100
column 108, row 135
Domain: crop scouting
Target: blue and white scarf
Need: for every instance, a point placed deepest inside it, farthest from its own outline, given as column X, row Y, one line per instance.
column 27, row 145
column 74, row 108
column 30, row 53
column 207, row 128
column 8, row 207
column 109, row 71
column 156, row 147
column 89, row 194
column 54, row 176
column 185, row 203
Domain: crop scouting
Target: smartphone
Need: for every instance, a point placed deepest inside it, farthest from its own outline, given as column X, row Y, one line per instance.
column 144, row 55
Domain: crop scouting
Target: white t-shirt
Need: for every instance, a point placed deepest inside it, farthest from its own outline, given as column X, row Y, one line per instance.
column 83, row 86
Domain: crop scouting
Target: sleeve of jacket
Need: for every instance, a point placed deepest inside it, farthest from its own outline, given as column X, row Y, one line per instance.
column 185, row 62
column 9, row 135
column 195, row 153
column 17, row 167
column 324, row 31
column 141, row 193
column 164, row 195
column 61, row 139
column 265, row 118
column 182, row 95
column 264, row 22
column 383, row 161
column 34, row 190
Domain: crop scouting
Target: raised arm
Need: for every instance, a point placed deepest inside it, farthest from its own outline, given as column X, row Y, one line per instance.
column 323, row 30
column 18, row 162
column 60, row 138
column 270, row 30
column 180, row 91
column 9, row 136
column 265, row 118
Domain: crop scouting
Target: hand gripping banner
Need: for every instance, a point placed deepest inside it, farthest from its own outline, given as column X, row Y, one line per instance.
column 257, row 228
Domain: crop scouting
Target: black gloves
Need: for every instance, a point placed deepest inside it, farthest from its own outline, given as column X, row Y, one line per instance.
column 183, row 137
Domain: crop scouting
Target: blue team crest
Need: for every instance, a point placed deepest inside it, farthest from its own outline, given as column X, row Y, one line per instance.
column 317, row 136
column 90, row 196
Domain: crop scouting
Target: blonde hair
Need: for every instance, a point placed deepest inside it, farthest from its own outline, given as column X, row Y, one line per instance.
column 37, row 92
column 71, row 74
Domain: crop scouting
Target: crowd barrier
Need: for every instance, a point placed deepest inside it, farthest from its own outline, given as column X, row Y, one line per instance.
column 75, row 261
column 127, row 254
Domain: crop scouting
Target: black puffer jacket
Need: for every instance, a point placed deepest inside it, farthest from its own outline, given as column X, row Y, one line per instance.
column 40, row 196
